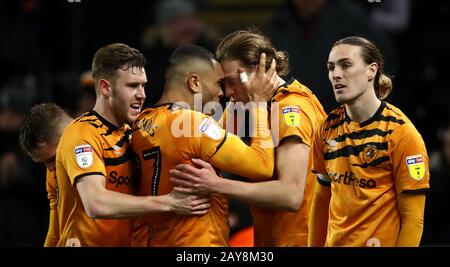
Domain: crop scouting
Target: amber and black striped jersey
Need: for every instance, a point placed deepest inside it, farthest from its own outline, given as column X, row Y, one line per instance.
column 92, row 145
column 367, row 165
column 296, row 114
column 167, row 135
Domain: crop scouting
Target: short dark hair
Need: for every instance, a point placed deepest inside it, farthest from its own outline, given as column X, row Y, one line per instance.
column 40, row 125
column 188, row 54
column 113, row 57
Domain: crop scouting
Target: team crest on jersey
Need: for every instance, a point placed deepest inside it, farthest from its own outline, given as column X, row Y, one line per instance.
column 210, row 129
column 370, row 153
column 84, row 156
column 291, row 115
column 416, row 167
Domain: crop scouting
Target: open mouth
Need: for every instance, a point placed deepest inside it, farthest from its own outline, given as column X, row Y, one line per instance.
column 136, row 107
column 339, row 86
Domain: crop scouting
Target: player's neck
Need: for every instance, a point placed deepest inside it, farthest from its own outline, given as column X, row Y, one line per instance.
column 103, row 110
column 363, row 107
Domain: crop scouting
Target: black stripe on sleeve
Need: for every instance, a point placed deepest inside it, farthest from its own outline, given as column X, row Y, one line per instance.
column 295, row 138
column 75, row 180
column 416, row 191
column 221, row 144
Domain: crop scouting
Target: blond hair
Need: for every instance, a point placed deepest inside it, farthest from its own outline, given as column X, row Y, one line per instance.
column 247, row 46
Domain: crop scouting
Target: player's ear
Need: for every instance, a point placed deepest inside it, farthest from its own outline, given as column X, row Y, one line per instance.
column 105, row 87
column 372, row 71
column 193, row 83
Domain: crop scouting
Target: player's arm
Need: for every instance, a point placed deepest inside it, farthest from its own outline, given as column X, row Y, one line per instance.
column 411, row 174
column 284, row 193
column 411, row 206
column 101, row 203
column 233, row 155
column 52, row 238
column 320, row 206
column 318, row 219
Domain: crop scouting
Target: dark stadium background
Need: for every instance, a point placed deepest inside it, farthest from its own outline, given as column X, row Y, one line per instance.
column 46, row 47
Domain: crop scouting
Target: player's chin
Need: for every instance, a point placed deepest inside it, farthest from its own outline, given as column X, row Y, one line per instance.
column 132, row 116
column 341, row 99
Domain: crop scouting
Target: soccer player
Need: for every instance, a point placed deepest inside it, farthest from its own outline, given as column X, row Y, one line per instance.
column 94, row 164
column 168, row 134
column 280, row 207
column 39, row 136
column 371, row 162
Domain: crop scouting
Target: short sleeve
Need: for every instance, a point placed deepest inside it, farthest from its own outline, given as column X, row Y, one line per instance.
column 197, row 134
column 294, row 121
column 409, row 159
column 82, row 155
column 224, row 150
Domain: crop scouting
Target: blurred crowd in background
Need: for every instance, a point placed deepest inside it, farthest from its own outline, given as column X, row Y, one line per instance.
column 47, row 48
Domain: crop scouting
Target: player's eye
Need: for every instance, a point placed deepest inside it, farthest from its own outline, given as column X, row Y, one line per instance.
column 346, row 65
column 221, row 84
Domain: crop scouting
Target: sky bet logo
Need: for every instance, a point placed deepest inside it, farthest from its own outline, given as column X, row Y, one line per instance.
column 83, row 149
column 290, row 109
column 415, row 160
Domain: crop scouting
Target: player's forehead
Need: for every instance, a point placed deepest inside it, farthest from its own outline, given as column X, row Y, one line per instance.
column 135, row 74
column 230, row 67
column 344, row 51
column 218, row 69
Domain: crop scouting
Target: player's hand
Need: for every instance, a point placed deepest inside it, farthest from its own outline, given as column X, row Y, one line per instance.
column 263, row 85
column 200, row 179
column 187, row 204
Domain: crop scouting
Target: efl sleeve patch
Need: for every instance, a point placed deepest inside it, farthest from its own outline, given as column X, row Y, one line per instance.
column 209, row 128
column 416, row 167
column 291, row 115
column 84, row 156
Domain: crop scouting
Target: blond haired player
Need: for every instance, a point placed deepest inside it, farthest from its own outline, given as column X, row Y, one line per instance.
column 371, row 162
column 280, row 207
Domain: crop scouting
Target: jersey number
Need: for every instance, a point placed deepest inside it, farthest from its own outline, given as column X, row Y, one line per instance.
column 155, row 154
